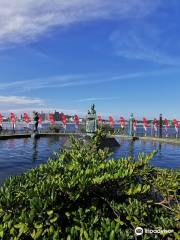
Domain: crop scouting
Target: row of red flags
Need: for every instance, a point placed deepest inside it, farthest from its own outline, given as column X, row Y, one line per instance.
column 27, row 119
column 100, row 120
column 145, row 122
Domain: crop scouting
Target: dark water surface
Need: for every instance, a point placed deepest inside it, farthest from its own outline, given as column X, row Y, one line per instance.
column 19, row 155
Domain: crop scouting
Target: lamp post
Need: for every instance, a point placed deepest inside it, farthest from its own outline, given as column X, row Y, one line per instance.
column 160, row 125
column 131, row 120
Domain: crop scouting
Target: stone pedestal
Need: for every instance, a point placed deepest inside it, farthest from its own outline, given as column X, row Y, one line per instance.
column 91, row 124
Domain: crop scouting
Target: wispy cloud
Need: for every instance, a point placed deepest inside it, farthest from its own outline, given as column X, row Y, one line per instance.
column 91, row 99
column 11, row 103
column 146, row 41
column 42, row 83
column 24, row 21
column 19, row 104
column 67, row 81
column 16, row 100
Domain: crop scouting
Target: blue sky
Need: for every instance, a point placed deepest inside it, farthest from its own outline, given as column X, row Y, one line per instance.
column 124, row 56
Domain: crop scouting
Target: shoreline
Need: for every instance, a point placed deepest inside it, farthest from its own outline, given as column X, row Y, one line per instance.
column 28, row 135
column 153, row 139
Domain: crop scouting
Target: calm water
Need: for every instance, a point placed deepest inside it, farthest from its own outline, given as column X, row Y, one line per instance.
column 168, row 155
column 19, row 155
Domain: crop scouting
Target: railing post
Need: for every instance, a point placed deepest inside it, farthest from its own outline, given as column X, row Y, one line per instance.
column 131, row 132
column 160, row 125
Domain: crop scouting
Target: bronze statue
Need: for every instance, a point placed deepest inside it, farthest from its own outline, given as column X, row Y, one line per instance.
column 93, row 111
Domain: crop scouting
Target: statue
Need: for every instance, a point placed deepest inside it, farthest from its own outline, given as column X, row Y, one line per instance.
column 93, row 111
column 91, row 121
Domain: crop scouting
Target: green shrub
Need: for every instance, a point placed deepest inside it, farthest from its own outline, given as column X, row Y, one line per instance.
column 120, row 131
column 105, row 128
column 110, row 130
column 55, row 128
column 82, row 128
column 82, row 195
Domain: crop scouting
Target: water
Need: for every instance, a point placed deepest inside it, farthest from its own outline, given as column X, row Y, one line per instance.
column 19, row 155
column 168, row 155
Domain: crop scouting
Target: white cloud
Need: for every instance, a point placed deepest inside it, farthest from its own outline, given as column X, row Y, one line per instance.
column 146, row 42
column 42, row 83
column 25, row 20
column 19, row 104
column 66, row 81
column 91, row 99
column 16, row 100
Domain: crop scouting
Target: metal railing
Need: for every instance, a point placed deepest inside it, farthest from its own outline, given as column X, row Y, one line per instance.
column 45, row 127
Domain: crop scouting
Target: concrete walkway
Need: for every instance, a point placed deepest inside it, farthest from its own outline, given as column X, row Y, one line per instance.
column 28, row 135
column 154, row 139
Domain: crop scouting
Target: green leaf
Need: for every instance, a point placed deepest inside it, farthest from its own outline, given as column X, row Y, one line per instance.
column 37, row 234
column 112, row 235
column 86, row 235
column 6, row 217
column 177, row 236
column 50, row 213
column 36, row 225
column 53, row 219
column 1, row 231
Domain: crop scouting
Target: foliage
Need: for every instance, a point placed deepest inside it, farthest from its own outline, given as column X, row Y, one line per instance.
column 85, row 194
column 105, row 128
column 55, row 128
column 82, row 128
column 110, row 130
column 120, row 131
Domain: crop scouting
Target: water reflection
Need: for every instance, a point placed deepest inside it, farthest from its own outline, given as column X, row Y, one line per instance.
column 144, row 143
column 154, row 144
column 12, row 143
column 26, row 141
column 160, row 151
column 53, row 140
column 35, row 150
column 131, row 149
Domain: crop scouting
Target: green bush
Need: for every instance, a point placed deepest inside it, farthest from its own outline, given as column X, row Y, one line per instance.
column 56, row 128
column 82, row 195
column 82, row 128
column 105, row 128
column 110, row 130
column 120, row 131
